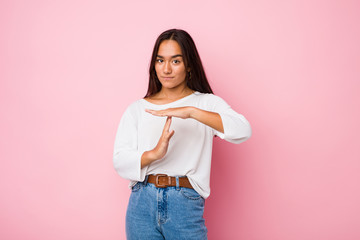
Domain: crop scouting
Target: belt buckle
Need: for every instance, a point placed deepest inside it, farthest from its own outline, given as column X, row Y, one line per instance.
column 157, row 184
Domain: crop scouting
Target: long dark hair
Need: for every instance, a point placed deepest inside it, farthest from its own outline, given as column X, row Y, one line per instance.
column 196, row 78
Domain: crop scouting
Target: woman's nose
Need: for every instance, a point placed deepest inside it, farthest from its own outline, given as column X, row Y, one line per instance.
column 167, row 68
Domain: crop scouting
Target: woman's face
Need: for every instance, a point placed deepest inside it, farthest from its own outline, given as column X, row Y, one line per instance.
column 169, row 65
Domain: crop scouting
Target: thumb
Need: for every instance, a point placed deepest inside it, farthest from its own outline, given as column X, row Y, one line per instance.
column 171, row 134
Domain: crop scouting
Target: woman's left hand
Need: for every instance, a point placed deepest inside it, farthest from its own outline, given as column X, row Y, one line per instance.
column 180, row 112
column 211, row 119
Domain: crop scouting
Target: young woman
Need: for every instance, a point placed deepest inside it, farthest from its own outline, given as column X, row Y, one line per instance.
column 164, row 142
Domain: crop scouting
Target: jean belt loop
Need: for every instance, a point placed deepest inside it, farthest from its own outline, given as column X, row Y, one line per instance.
column 146, row 179
column 177, row 183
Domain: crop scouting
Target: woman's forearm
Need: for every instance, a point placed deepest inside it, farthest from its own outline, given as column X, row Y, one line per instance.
column 147, row 157
column 210, row 119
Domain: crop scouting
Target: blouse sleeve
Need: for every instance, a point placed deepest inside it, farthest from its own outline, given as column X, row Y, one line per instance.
column 126, row 156
column 236, row 128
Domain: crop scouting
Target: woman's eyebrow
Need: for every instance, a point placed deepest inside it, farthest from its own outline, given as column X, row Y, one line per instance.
column 177, row 55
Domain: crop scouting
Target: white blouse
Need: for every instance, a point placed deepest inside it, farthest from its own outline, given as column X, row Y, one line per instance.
column 190, row 148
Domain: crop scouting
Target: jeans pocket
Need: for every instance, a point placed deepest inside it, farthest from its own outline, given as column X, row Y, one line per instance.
column 136, row 187
column 190, row 193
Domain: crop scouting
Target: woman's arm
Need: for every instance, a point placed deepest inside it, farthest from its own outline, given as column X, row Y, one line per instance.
column 210, row 119
column 228, row 124
column 126, row 155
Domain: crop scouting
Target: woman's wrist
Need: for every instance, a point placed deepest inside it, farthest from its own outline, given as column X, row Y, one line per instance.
column 193, row 112
column 147, row 158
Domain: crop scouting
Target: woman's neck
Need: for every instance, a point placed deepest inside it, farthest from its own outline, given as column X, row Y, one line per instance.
column 174, row 94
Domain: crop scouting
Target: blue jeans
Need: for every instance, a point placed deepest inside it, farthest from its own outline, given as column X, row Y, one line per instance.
column 165, row 213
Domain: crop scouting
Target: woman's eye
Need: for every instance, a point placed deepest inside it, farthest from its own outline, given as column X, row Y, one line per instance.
column 176, row 61
column 159, row 60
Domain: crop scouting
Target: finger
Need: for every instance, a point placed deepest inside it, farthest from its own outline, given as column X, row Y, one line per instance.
column 171, row 134
column 162, row 113
column 167, row 124
column 154, row 112
column 158, row 113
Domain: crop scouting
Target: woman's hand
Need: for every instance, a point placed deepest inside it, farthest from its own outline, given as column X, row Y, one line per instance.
column 180, row 112
column 211, row 119
column 161, row 148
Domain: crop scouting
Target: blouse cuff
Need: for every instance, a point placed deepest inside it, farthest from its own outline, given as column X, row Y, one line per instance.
column 236, row 128
column 128, row 166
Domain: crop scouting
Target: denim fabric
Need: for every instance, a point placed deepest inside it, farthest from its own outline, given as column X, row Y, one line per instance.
column 165, row 213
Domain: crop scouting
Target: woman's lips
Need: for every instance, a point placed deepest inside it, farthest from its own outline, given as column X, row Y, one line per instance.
column 167, row 78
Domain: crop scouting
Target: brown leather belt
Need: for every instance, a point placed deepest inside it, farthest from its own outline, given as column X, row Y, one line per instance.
column 163, row 181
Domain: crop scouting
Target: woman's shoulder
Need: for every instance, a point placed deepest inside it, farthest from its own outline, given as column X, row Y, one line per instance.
column 208, row 101
column 134, row 107
column 208, row 97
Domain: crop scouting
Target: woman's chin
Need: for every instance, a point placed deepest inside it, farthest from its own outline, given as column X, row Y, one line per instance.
column 170, row 85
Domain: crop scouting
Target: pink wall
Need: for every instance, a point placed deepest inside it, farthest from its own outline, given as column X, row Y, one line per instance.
column 69, row 68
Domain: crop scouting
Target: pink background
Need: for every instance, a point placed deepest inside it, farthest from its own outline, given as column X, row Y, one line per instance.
column 69, row 69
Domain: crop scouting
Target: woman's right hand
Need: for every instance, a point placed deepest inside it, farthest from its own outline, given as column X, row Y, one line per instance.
column 161, row 148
